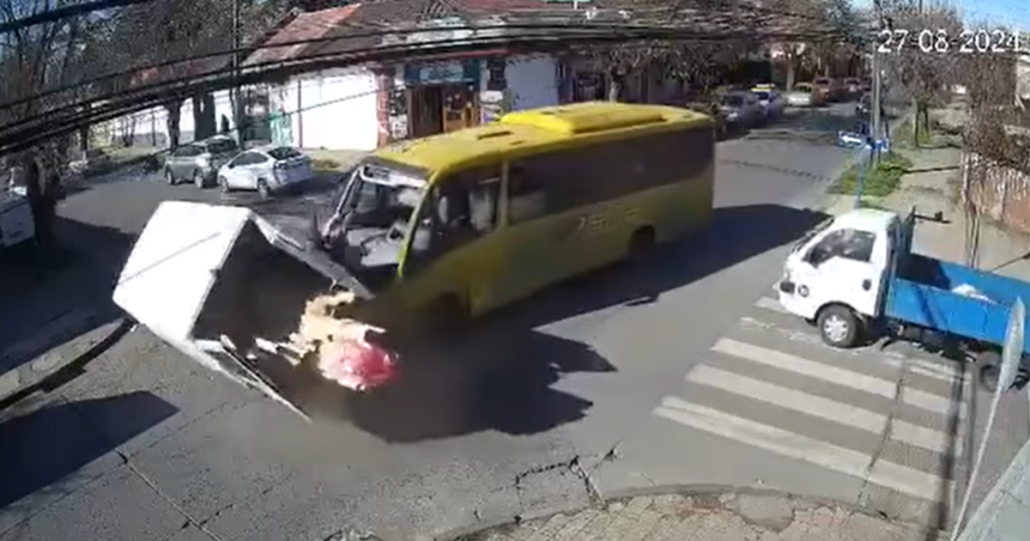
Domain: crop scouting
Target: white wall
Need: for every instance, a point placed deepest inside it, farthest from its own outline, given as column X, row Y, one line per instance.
column 337, row 110
column 155, row 121
column 533, row 81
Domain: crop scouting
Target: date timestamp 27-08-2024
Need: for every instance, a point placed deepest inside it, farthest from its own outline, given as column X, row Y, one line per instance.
column 983, row 41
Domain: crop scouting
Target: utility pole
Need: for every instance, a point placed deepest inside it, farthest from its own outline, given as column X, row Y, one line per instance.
column 877, row 79
column 234, row 90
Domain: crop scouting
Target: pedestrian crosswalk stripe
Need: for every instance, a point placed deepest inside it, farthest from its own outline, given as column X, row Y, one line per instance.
column 838, row 376
column 880, row 472
column 770, row 304
column 922, row 367
column 927, row 438
column 817, row 406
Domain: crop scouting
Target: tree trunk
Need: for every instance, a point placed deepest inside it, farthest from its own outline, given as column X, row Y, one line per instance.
column 791, row 71
column 204, row 121
column 614, row 87
column 84, row 133
column 174, row 114
column 41, row 201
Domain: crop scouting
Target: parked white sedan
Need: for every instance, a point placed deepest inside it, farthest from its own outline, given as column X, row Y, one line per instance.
column 265, row 169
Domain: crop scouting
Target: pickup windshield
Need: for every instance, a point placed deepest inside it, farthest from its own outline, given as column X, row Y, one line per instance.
column 811, row 234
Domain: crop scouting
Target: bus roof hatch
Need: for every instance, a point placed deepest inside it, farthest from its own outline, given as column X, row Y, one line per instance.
column 588, row 117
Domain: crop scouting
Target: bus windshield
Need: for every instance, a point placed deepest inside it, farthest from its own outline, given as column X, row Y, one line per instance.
column 371, row 213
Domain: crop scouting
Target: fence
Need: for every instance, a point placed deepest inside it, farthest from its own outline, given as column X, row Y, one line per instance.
column 997, row 191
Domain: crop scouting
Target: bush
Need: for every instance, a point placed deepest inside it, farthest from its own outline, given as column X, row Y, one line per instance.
column 880, row 181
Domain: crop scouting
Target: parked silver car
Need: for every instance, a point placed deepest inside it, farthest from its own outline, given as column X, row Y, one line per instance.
column 200, row 161
column 266, row 169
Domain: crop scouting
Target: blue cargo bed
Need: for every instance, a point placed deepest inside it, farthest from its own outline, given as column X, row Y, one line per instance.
column 921, row 293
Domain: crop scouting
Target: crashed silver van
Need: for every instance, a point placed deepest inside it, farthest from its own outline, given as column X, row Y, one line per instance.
column 230, row 290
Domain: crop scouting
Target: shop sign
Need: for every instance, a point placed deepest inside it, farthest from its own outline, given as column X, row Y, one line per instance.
column 444, row 72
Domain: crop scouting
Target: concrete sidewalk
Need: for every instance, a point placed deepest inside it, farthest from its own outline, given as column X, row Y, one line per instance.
column 713, row 516
column 1004, row 514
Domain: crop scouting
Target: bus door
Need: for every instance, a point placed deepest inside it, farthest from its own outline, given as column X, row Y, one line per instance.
column 532, row 240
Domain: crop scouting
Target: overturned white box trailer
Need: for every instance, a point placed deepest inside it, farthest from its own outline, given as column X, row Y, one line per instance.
column 229, row 289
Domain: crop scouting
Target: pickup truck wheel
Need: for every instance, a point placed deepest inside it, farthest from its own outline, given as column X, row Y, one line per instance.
column 990, row 370
column 838, row 326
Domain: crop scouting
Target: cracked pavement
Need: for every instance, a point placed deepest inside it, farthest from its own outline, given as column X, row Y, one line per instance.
column 147, row 444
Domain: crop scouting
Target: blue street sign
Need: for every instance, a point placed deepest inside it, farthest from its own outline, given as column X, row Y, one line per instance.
column 883, row 145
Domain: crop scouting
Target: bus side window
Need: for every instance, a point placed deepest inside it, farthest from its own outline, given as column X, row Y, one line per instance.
column 527, row 199
column 459, row 210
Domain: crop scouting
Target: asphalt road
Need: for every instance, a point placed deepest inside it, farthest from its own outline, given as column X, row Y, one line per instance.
column 146, row 444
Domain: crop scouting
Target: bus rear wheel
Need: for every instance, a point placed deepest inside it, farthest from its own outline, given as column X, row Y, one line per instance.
column 641, row 244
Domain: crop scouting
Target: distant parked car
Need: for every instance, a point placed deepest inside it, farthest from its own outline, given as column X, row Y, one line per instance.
column 804, row 95
column 266, row 169
column 853, row 86
column 90, row 162
column 828, row 87
column 742, row 109
column 709, row 106
column 200, row 161
column 17, row 226
column 771, row 101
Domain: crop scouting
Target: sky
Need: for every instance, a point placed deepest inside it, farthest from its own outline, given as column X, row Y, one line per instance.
column 1007, row 12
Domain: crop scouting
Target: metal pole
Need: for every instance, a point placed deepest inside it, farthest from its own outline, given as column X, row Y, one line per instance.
column 234, row 90
column 877, row 83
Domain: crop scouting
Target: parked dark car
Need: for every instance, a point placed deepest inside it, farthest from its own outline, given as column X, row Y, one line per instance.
column 711, row 108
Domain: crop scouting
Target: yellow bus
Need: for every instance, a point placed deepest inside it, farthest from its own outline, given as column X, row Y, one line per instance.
column 466, row 222
column 451, row 226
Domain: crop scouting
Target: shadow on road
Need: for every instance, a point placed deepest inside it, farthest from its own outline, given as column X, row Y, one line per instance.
column 48, row 445
column 735, row 234
column 56, row 296
column 501, row 375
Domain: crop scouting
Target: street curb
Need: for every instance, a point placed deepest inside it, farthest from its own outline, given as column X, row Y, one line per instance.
column 42, row 374
column 458, row 534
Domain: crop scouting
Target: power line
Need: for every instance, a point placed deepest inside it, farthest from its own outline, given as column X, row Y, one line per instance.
column 54, row 15
column 13, row 140
column 586, row 29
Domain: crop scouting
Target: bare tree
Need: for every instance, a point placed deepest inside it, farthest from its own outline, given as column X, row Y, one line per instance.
column 32, row 60
column 920, row 66
column 787, row 17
